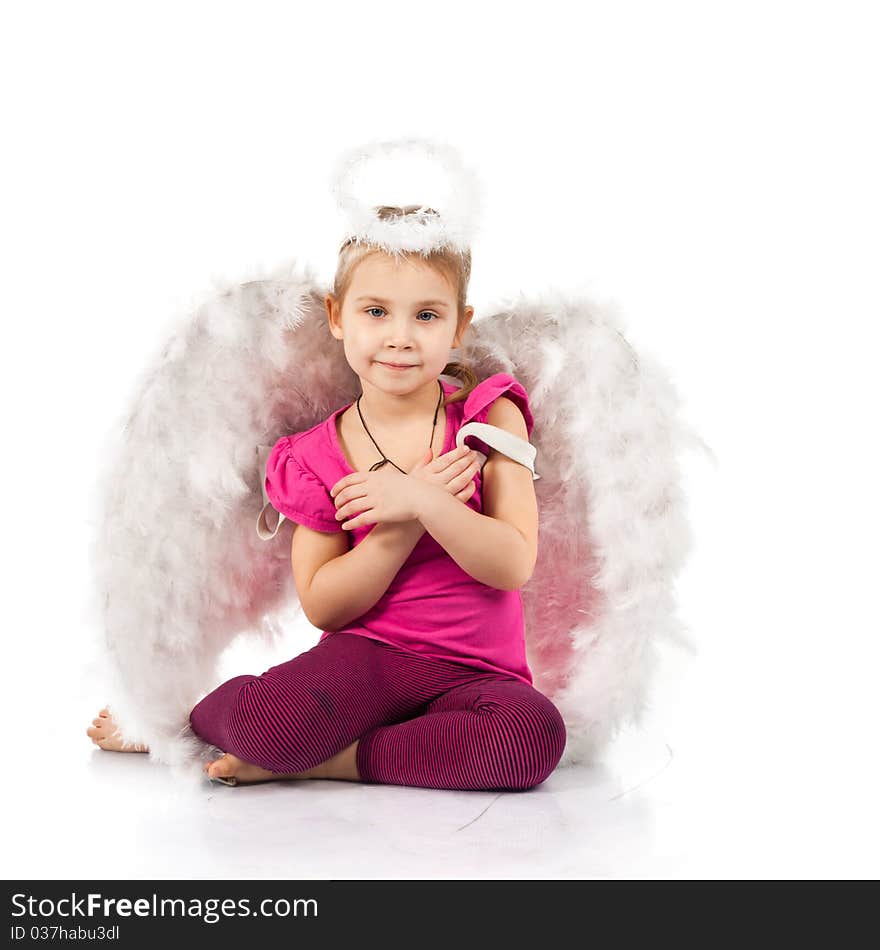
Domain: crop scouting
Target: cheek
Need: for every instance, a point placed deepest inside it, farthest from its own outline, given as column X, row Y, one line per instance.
column 357, row 349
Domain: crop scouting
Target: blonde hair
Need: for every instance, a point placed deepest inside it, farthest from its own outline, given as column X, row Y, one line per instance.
column 453, row 265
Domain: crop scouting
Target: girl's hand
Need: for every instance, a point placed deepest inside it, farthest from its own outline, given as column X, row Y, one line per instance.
column 387, row 495
column 454, row 472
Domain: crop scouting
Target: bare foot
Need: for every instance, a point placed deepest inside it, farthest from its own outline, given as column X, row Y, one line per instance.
column 105, row 734
column 234, row 771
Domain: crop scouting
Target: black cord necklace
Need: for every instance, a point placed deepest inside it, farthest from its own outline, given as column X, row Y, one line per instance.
column 384, row 458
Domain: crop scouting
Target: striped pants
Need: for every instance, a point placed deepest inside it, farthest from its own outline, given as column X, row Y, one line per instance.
column 421, row 722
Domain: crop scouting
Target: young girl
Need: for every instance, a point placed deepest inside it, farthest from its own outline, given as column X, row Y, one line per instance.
column 407, row 554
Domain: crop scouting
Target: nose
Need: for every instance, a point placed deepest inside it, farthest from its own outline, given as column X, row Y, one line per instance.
column 398, row 333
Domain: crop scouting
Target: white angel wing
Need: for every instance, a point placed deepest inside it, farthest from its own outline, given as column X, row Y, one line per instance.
column 613, row 533
column 179, row 570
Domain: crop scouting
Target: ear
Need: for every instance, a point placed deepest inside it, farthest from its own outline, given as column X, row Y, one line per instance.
column 465, row 323
column 334, row 319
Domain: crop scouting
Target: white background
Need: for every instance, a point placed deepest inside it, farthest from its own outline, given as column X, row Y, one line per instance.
column 711, row 168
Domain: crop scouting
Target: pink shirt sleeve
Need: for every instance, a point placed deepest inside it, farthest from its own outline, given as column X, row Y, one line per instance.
column 481, row 397
column 294, row 489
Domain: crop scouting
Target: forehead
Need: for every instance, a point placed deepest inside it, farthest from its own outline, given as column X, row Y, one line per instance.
column 387, row 275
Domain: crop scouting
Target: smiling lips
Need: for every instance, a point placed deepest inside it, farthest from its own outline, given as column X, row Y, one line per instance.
column 397, row 365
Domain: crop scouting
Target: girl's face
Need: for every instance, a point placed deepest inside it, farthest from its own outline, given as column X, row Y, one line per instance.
column 397, row 312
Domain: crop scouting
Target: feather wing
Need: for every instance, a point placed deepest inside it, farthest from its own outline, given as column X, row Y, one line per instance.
column 179, row 570
column 613, row 532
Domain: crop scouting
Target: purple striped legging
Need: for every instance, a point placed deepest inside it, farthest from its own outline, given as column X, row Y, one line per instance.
column 422, row 722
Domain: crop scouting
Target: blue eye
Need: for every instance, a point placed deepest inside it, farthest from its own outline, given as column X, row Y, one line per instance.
column 431, row 312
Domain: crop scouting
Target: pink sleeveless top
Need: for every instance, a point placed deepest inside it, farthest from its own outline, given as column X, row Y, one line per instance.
column 432, row 607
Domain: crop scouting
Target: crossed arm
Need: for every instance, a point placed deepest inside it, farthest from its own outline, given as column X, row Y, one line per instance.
column 498, row 547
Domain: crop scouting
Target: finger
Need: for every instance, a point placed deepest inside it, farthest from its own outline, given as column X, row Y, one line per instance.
column 352, row 493
column 456, row 455
column 468, row 460
column 462, row 465
column 349, row 510
column 444, row 461
column 467, row 491
column 463, row 477
column 425, row 462
column 354, row 478
column 358, row 520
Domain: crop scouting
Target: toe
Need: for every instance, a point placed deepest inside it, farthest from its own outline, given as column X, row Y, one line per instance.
column 221, row 768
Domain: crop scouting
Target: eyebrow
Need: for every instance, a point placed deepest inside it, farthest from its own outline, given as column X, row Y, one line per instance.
column 422, row 303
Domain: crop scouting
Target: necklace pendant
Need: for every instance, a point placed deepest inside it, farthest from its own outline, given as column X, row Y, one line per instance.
column 379, row 464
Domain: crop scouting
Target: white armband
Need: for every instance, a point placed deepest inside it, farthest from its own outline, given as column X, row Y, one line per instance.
column 263, row 529
column 505, row 442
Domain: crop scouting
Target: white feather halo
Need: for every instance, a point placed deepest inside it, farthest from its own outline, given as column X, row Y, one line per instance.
column 410, row 172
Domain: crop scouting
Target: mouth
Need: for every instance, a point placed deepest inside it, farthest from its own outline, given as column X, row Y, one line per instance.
column 397, row 366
